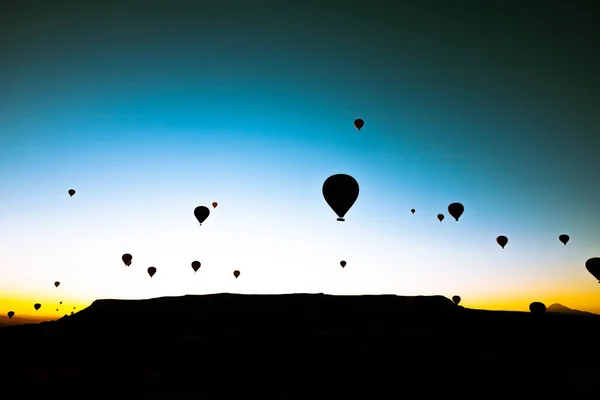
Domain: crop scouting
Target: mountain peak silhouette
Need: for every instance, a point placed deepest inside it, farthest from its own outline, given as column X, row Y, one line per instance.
column 559, row 308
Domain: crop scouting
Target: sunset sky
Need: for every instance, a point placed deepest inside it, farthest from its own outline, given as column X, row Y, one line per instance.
column 148, row 112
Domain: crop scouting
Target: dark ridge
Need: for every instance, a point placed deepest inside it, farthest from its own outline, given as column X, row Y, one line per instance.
column 559, row 308
column 300, row 346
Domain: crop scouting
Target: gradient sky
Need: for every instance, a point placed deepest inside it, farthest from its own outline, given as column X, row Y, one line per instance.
column 151, row 110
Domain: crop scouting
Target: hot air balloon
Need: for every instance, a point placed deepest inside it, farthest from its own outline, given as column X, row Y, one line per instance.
column 195, row 265
column 340, row 192
column 215, row 204
column 456, row 299
column 359, row 123
column 127, row 259
column 502, row 241
column 593, row 267
column 57, row 309
column 456, row 210
column 37, row 306
column 201, row 213
column 412, row 210
column 60, row 302
column 71, row 192
column 343, row 263
column 56, row 284
column 441, row 217
column 564, row 238
column 236, row 273
column 537, row 308
column 10, row 314
column 151, row 271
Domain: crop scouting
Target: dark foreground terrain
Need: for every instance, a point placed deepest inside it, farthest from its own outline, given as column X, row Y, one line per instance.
column 300, row 346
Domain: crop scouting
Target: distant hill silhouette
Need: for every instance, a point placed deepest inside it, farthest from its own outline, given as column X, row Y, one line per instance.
column 299, row 346
column 559, row 308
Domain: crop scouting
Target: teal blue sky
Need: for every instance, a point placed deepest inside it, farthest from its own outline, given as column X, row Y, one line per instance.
column 151, row 110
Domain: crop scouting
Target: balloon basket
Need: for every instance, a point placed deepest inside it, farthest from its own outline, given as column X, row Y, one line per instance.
column 341, row 219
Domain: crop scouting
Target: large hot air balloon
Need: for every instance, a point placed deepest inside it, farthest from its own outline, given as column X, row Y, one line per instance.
column 195, row 265
column 201, row 213
column 37, row 306
column 71, row 192
column 456, row 299
column 359, row 123
column 215, row 204
column 343, row 263
column 340, row 192
column 440, row 217
column 502, row 241
column 537, row 308
column 127, row 258
column 236, row 273
column 412, row 210
column 456, row 210
column 564, row 238
column 10, row 314
column 151, row 271
column 56, row 284
column 593, row 267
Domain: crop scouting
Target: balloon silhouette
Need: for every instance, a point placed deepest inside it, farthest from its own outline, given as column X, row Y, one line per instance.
column 537, row 308
column 10, row 314
column 57, row 309
column 71, row 192
column 60, row 302
column 215, row 204
column 456, row 210
column 593, row 267
column 412, row 210
column 564, row 238
column 456, row 299
column 502, row 241
column 195, row 265
column 201, row 213
column 343, row 263
column 56, row 284
column 236, row 273
column 359, row 123
column 151, row 271
column 441, row 217
column 127, row 259
column 37, row 306
column 340, row 192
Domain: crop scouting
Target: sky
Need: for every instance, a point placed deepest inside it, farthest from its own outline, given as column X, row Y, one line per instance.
column 151, row 109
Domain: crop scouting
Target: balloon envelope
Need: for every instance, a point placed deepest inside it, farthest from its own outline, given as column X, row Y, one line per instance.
column 340, row 192
column 215, row 204
column 440, row 217
column 151, row 271
column 11, row 314
column 56, row 284
column 195, row 265
column 593, row 267
column 127, row 259
column 564, row 238
column 359, row 123
column 456, row 299
column 502, row 241
column 537, row 308
column 412, row 210
column 343, row 263
column 236, row 273
column 71, row 192
column 37, row 306
column 201, row 213
column 456, row 210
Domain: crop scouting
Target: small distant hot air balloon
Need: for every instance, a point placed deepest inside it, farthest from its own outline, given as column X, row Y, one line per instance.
column 151, row 271
column 440, row 217
column 201, row 213
column 71, row 192
column 502, row 241
column 127, row 258
column 340, row 192
column 37, row 306
column 359, row 123
column 56, row 284
column 10, row 314
column 456, row 299
column 537, row 308
column 593, row 267
column 215, row 204
column 195, row 265
column 74, row 308
column 57, row 309
column 343, row 263
column 236, row 273
column 456, row 210
column 412, row 210
column 60, row 302
column 564, row 238
column 71, row 312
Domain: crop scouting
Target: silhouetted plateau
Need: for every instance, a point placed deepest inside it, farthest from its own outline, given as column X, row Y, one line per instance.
column 559, row 308
column 301, row 346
